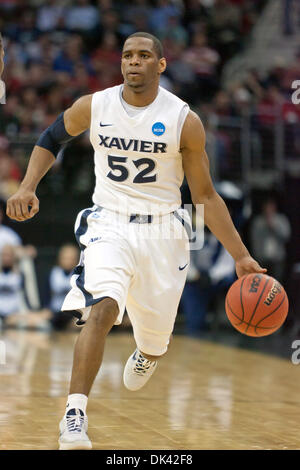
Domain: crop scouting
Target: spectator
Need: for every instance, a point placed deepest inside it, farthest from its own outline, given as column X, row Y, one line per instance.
column 270, row 231
column 137, row 9
column 7, row 235
column 82, row 17
column 195, row 11
column 1, row 56
column 241, row 99
column 82, row 83
column 26, row 31
column 181, row 73
column 9, row 5
column 56, row 96
column 71, row 55
column 106, row 62
column 222, row 104
column 138, row 23
column 269, row 106
column 108, row 52
column 42, row 51
column 253, row 84
column 225, row 27
column 105, row 4
column 211, row 271
column 159, row 18
column 25, row 255
column 204, row 61
column 14, row 295
column 289, row 7
column 40, row 76
column 10, row 174
column 111, row 22
column 174, row 31
column 59, row 285
column 2, row 84
column 11, row 284
column 269, row 111
column 49, row 16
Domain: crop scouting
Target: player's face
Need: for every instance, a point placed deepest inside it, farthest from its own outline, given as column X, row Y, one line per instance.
column 140, row 65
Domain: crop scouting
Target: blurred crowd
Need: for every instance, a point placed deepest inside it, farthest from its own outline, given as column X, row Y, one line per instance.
column 56, row 51
column 25, row 302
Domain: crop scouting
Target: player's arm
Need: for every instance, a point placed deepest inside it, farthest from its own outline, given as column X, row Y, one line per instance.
column 216, row 214
column 68, row 125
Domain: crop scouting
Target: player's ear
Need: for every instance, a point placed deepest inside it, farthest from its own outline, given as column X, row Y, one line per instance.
column 162, row 65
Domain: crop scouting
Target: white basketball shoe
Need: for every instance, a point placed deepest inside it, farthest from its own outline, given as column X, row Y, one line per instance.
column 138, row 371
column 73, row 431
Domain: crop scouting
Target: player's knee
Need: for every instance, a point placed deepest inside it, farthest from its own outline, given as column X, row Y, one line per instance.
column 104, row 314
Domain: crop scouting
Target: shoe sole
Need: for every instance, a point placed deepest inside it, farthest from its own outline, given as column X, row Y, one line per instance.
column 77, row 445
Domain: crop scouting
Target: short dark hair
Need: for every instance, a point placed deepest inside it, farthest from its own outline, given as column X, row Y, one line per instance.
column 157, row 45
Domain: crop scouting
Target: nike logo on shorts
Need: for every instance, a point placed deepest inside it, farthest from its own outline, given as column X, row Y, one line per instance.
column 181, row 268
column 105, row 125
column 94, row 239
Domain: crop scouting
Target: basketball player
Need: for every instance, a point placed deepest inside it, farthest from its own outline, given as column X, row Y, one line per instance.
column 145, row 139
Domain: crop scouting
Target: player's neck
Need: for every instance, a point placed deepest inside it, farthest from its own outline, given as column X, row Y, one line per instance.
column 142, row 98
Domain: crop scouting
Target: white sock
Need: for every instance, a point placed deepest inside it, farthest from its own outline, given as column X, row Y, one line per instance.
column 77, row 400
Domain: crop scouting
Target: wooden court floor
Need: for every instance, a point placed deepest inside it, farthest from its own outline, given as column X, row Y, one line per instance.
column 202, row 396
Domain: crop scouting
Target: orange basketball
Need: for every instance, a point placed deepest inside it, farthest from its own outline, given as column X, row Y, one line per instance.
column 256, row 305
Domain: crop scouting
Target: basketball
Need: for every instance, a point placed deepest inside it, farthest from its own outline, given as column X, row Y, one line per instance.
column 256, row 305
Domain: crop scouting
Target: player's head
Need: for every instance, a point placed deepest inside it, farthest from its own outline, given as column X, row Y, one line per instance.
column 269, row 206
column 142, row 61
column 68, row 257
column 1, row 55
column 8, row 256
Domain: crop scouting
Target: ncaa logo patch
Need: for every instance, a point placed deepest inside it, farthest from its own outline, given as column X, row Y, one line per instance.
column 158, row 128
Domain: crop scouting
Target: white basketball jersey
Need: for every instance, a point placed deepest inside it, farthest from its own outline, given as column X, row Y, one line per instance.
column 138, row 164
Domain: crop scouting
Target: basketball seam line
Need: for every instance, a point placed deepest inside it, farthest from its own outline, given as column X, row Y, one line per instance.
column 241, row 298
column 269, row 314
column 249, row 324
column 241, row 321
column 255, row 308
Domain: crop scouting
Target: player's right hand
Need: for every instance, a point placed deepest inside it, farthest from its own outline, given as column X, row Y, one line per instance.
column 23, row 205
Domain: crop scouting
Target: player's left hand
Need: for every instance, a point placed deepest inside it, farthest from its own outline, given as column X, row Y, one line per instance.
column 248, row 265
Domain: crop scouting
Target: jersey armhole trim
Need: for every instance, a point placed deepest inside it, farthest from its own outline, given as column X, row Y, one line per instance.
column 181, row 120
column 93, row 105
